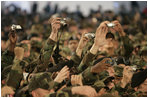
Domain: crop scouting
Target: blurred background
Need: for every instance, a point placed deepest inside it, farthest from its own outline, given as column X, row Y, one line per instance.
column 84, row 16
column 72, row 6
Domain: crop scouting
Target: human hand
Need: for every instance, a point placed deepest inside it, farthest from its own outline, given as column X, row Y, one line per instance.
column 76, row 79
column 55, row 24
column 19, row 53
column 84, row 90
column 117, row 28
column 6, row 90
column 127, row 76
column 100, row 37
column 12, row 37
column 102, row 91
column 63, row 74
column 82, row 43
column 101, row 66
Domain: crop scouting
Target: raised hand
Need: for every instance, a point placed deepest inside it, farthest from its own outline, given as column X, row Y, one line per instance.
column 84, row 90
column 117, row 28
column 101, row 66
column 82, row 43
column 76, row 79
column 12, row 37
column 63, row 74
column 6, row 90
column 100, row 37
column 19, row 53
column 101, row 32
column 55, row 24
column 127, row 76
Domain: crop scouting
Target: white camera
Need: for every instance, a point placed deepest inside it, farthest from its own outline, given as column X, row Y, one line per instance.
column 16, row 27
column 111, row 25
column 90, row 35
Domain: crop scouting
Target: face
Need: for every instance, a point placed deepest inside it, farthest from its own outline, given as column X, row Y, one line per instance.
column 72, row 45
column 36, row 39
column 73, row 28
column 110, row 46
column 39, row 92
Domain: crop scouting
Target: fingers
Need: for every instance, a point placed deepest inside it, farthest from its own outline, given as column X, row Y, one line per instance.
column 51, row 20
column 116, row 22
column 91, row 92
column 76, row 79
column 64, row 72
column 104, row 23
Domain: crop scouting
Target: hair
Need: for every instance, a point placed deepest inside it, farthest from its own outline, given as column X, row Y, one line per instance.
column 139, row 78
column 73, row 38
column 32, row 35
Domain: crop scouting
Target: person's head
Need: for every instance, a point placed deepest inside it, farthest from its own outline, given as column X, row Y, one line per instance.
column 73, row 27
column 40, row 83
column 73, row 43
column 139, row 81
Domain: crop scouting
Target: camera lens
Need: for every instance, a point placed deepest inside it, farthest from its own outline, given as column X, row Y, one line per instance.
column 110, row 35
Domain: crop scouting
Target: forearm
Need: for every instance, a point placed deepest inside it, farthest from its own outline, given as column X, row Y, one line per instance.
column 16, row 74
column 94, row 49
column 79, row 52
column 86, row 61
column 11, row 47
column 45, row 55
column 7, row 58
column 128, row 45
column 88, row 77
column 53, row 36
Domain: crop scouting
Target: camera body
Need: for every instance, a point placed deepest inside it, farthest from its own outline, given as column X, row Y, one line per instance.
column 90, row 35
column 111, row 25
column 63, row 22
column 16, row 27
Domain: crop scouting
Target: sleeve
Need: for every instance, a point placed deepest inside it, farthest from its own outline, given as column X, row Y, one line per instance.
column 16, row 74
column 86, row 61
column 88, row 77
column 45, row 55
column 66, row 92
column 7, row 59
column 127, row 46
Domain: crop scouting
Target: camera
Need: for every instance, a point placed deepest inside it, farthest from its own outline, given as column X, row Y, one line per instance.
column 134, row 68
column 110, row 35
column 90, row 35
column 111, row 25
column 16, row 27
column 63, row 22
